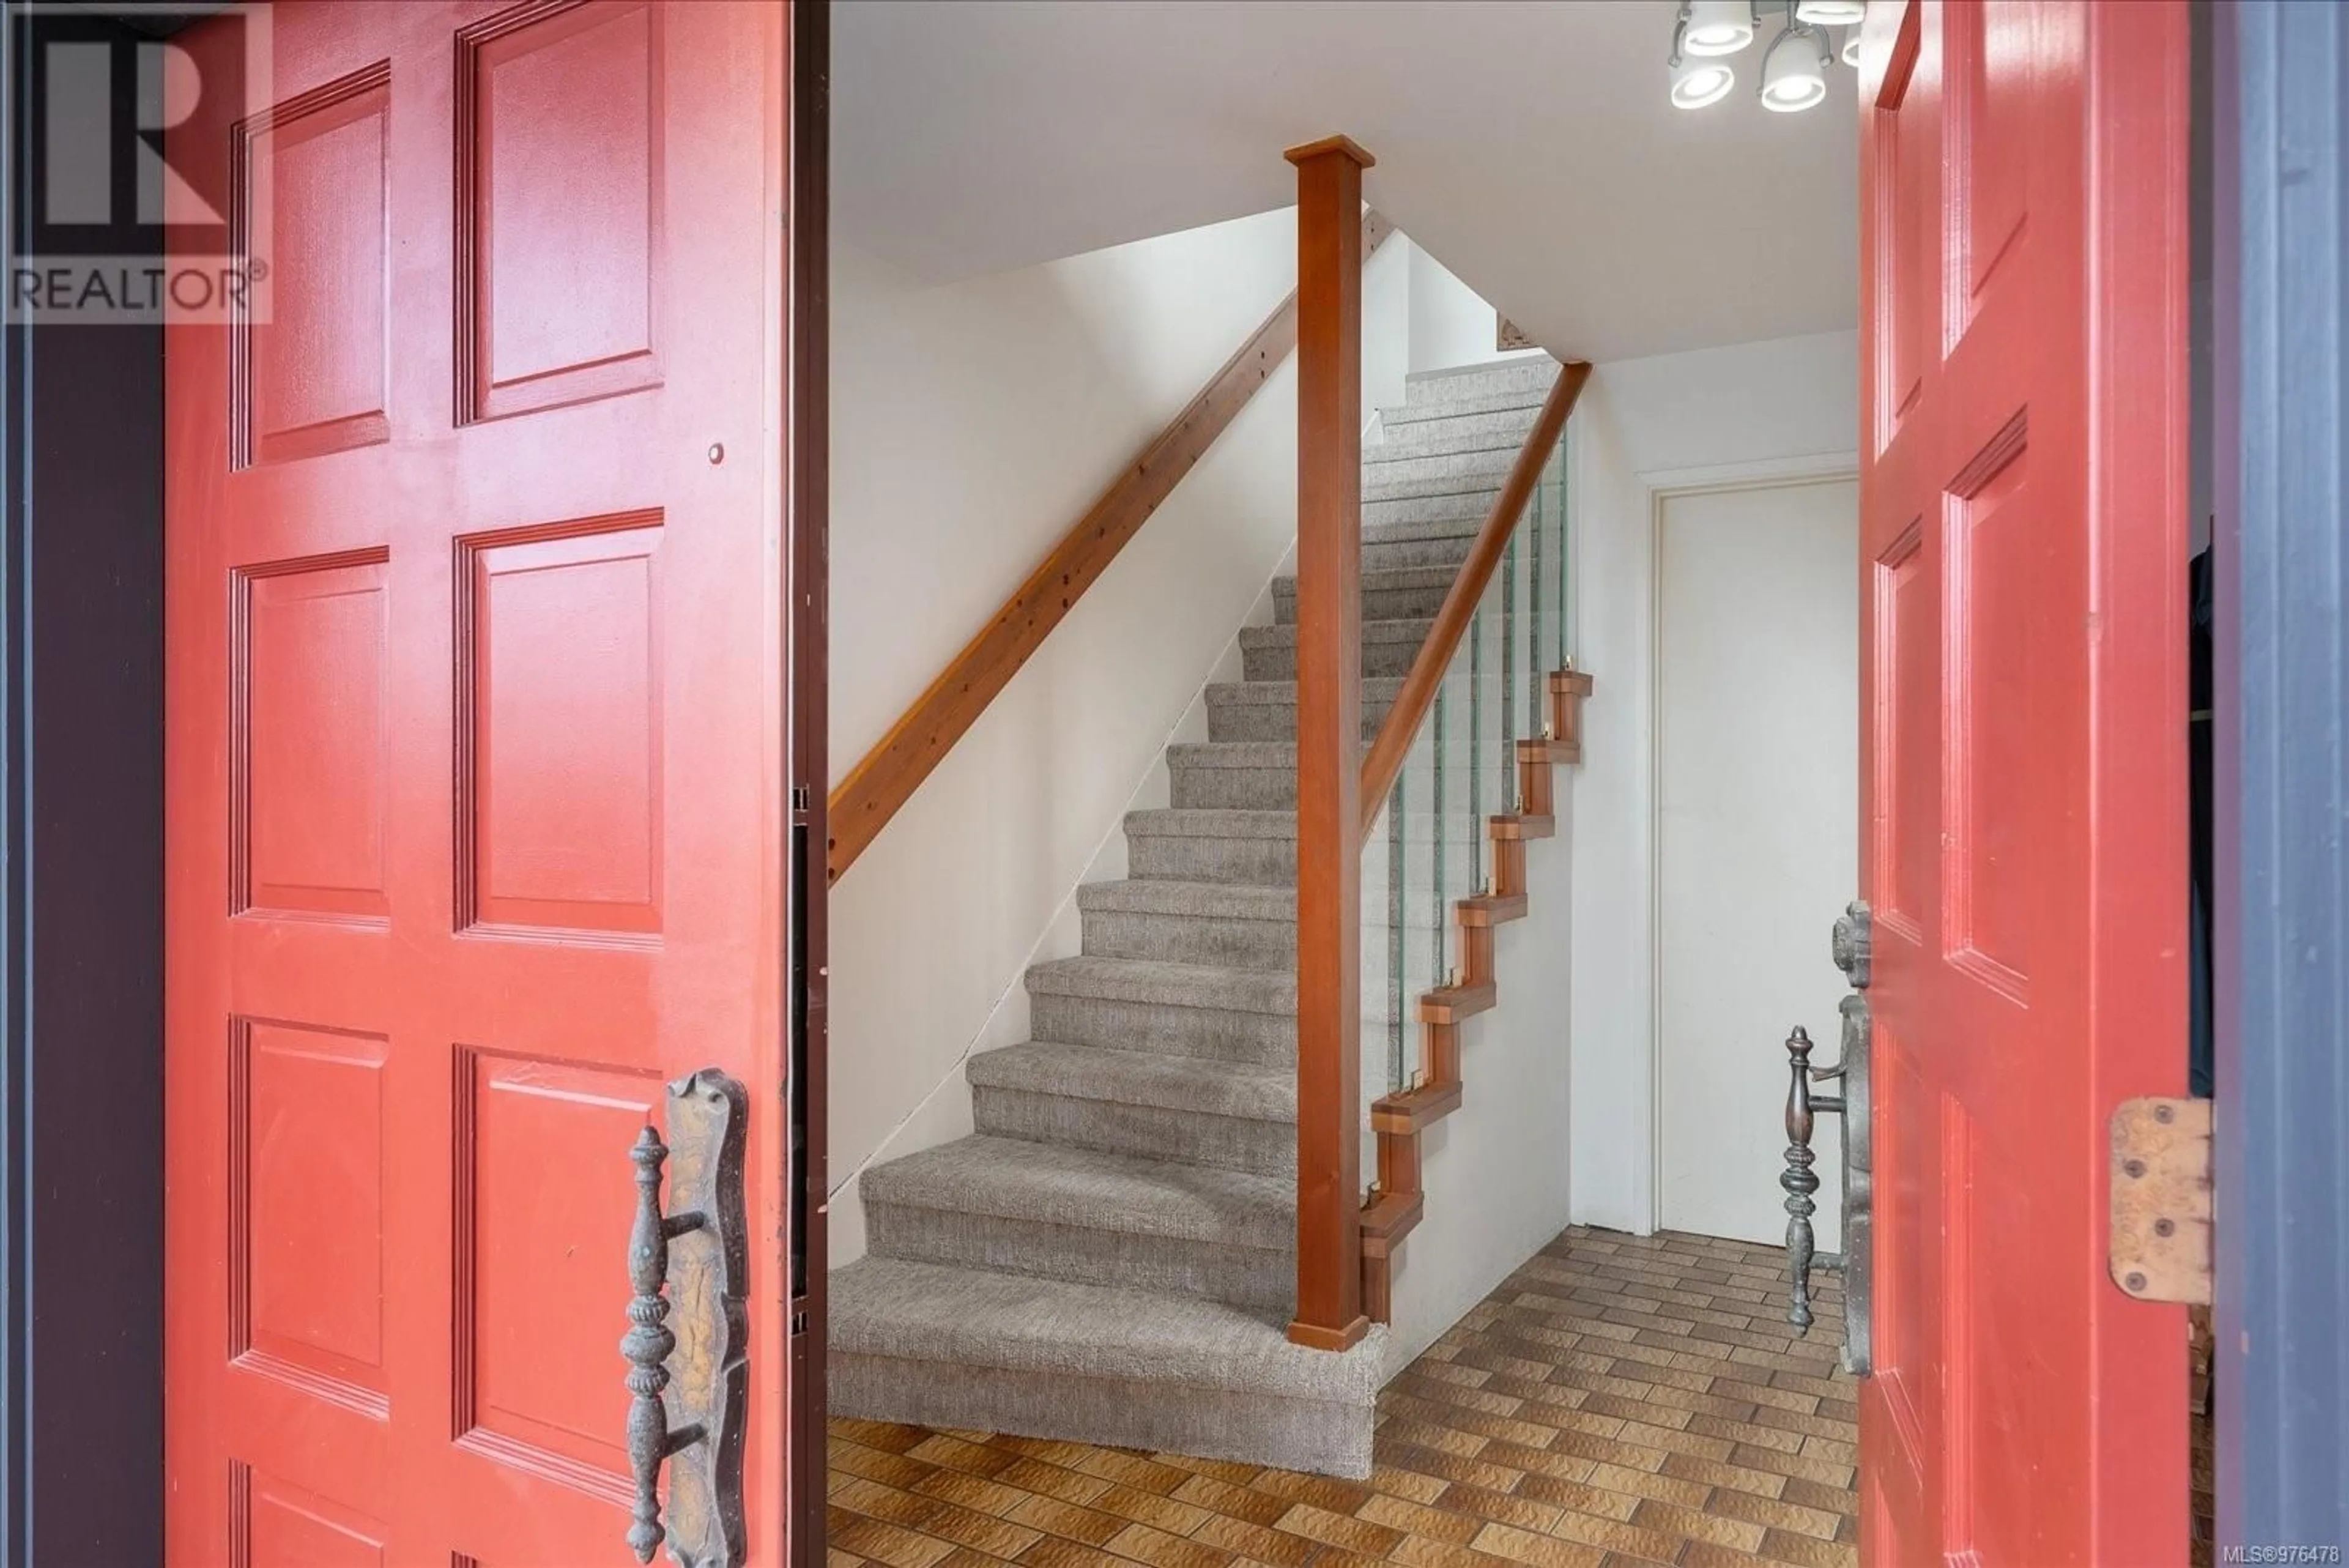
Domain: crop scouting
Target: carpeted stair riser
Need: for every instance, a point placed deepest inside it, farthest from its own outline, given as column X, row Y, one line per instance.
column 1266, row 710
column 1151, row 1132
column 1104, row 1218
column 1406, row 552
column 1236, row 776
column 1208, row 1034
column 1239, row 1016
column 1443, row 473
column 1504, row 429
column 1527, row 376
column 1469, row 507
column 1412, row 594
column 1327, row 1438
column 1004, row 1352
column 1269, row 652
column 1231, row 941
column 1137, row 1104
column 1261, row 1277
column 1252, row 861
column 1399, row 418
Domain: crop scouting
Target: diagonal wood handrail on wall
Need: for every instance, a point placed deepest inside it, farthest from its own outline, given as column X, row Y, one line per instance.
column 1392, row 743
column 885, row 777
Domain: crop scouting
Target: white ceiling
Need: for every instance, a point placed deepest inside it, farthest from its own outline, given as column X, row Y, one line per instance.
column 1528, row 146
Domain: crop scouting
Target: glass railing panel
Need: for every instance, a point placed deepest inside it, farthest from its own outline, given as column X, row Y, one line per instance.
column 1412, row 947
column 1555, row 484
column 1459, row 858
column 1533, row 531
column 1385, row 1018
column 1497, row 791
column 1516, row 666
column 1565, row 552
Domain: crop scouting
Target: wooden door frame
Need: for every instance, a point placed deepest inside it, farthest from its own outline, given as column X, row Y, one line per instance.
column 81, row 893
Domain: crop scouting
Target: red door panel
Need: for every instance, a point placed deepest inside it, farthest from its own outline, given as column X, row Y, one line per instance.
column 2023, row 514
column 474, row 740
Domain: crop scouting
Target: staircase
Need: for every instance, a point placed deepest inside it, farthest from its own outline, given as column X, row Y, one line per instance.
column 1111, row 1257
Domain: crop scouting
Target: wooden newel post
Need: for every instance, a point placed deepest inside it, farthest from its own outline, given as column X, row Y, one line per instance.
column 1328, row 742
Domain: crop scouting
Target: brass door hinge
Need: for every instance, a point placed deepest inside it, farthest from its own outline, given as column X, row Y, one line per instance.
column 2160, row 1244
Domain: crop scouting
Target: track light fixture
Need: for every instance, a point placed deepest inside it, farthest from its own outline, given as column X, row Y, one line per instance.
column 1794, row 66
column 1795, row 78
column 1697, row 81
column 1718, row 27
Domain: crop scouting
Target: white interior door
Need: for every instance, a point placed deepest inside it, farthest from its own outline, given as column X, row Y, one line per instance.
column 1758, row 779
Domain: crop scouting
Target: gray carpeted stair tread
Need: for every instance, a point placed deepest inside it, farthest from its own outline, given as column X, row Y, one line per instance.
column 1266, row 710
column 1139, row 1078
column 1206, row 900
column 926, row 1311
column 1533, row 373
column 1468, row 506
column 1382, row 690
column 1158, row 984
column 1201, row 822
column 1503, row 429
column 1441, row 473
column 1285, row 586
column 1450, row 530
column 1269, row 652
column 1410, row 416
column 1233, row 754
column 1283, row 634
column 1010, row 1180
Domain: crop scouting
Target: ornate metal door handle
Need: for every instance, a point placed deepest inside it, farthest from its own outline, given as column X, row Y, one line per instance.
column 688, row 1387
column 1797, row 1177
column 1855, row 1105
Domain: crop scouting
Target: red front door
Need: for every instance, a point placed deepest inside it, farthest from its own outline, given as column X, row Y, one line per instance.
column 476, row 820
column 2024, row 510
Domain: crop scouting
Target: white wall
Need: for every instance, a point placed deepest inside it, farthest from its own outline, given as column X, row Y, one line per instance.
column 970, row 425
column 1674, row 422
column 1451, row 324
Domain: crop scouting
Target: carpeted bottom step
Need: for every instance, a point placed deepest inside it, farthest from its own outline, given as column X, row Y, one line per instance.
column 941, row 1346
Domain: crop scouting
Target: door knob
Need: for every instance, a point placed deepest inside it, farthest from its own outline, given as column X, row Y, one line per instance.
column 1853, row 939
column 687, row 1385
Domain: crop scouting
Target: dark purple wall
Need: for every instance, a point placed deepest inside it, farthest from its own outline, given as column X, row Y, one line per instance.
column 81, row 795
column 2281, row 1370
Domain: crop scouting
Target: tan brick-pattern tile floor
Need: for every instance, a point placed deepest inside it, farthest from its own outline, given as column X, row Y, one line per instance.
column 1619, row 1401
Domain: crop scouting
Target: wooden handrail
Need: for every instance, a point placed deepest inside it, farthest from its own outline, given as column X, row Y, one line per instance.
column 1392, row 742
column 885, row 777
